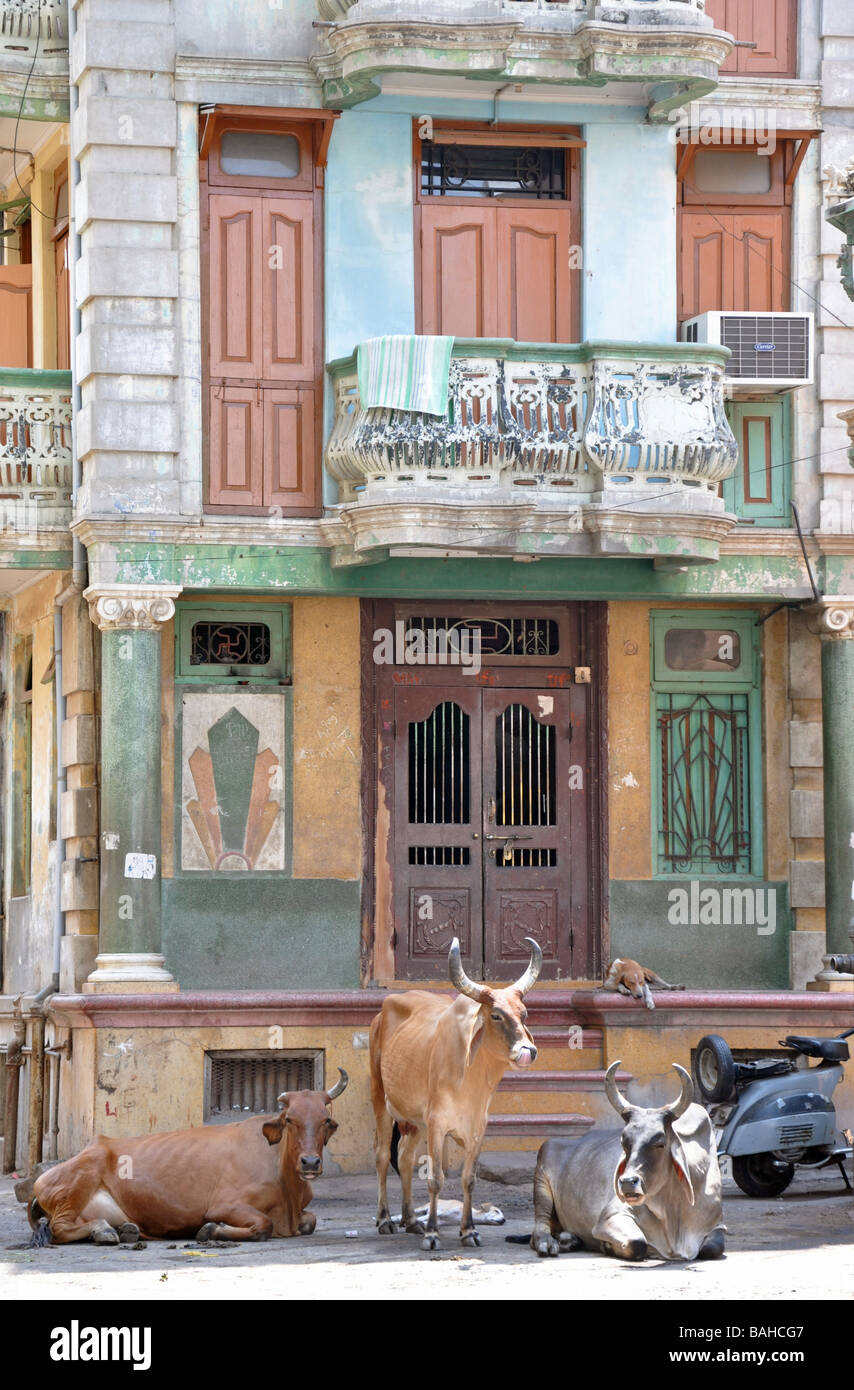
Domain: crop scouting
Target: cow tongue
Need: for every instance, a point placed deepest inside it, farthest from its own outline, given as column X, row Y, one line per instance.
column 524, row 1057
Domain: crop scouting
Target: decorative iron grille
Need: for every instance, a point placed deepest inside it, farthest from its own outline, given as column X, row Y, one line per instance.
column 525, row 769
column 703, row 749
column 230, row 644
column 241, row 1084
column 439, row 792
column 492, row 171
column 495, row 636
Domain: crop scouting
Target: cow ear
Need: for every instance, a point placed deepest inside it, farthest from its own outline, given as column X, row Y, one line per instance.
column 272, row 1131
column 679, row 1159
column 331, row 1126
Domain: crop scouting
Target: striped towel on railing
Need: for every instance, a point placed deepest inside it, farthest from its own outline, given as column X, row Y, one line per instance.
column 405, row 372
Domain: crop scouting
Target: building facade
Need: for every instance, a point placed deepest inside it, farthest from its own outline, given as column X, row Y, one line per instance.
column 300, row 684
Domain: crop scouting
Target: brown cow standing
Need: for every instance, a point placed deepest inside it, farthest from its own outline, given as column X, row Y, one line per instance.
column 245, row 1181
column 435, row 1066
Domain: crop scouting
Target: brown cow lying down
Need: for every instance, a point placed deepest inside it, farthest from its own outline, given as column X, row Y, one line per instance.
column 246, row 1181
column 627, row 977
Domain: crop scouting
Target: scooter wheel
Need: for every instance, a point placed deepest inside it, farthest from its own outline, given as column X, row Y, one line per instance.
column 714, row 1068
column 756, row 1176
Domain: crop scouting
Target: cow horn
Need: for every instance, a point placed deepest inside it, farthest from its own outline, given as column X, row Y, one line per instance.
column 532, row 974
column 340, row 1085
column 622, row 1106
column 681, row 1105
column 459, row 978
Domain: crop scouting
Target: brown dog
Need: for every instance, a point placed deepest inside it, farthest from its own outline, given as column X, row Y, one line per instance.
column 627, row 977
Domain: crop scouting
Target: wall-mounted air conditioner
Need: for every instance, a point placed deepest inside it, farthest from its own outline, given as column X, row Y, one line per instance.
column 773, row 352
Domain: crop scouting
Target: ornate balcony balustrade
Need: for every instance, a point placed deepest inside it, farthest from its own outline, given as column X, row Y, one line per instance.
column 583, row 449
column 34, row 59
column 577, row 42
column 35, row 459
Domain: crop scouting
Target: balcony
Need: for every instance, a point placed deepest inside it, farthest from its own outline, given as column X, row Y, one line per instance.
column 34, row 59
column 583, row 450
column 669, row 49
column 35, row 465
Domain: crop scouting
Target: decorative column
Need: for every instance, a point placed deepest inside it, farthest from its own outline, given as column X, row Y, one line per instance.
column 832, row 618
column 130, row 618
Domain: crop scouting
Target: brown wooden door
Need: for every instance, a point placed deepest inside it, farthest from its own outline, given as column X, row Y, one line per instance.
column 769, row 24
column 759, row 261
column 288, row 307
column 496, row 272
column 533, row 245
column 235, row 285
column 490, row 829
column 236, row 446
column 16, row 285
column 733, row 260
column 288, row 449
column 459, row 271
column 63, row 308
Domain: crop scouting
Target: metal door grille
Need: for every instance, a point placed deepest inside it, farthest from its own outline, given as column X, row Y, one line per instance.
column 703, row 749
column 439, row 791
column 525, row 753
column 243, row 1084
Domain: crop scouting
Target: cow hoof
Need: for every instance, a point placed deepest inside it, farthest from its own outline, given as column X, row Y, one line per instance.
column 469, row 1238
column 416, row 1228
column 712, row 1247
column 103, row 1234
column 431, row 1242
column 568, row 1242
column 206, row 1232
column 545, row 1245
column 308, row 1221
column 128, row 1233
column 387, row 1227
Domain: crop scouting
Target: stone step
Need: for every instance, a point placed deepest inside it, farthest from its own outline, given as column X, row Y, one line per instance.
column 536, row 1128
column 559, row 1081
column 591, row 1038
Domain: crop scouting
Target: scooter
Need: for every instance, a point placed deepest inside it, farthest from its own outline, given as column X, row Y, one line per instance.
column 775, row 1114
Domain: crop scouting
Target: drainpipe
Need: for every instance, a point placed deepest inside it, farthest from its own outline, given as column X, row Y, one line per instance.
column 14, row 1062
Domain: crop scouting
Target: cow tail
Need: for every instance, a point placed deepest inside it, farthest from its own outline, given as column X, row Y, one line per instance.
column 40, row 1224
column 518, row 1240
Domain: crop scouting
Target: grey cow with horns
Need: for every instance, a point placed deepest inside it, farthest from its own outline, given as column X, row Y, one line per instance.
column 654, row 1187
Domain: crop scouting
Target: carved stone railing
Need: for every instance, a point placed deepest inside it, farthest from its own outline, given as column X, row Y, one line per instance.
column 35, row 454
column 34, row 58
column 596, row 437
column 556, row 41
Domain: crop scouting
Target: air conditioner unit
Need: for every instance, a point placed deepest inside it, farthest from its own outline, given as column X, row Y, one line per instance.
column 769, row 351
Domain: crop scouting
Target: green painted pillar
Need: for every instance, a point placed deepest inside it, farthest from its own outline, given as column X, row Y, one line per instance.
column 833, row 620
column 129, row 948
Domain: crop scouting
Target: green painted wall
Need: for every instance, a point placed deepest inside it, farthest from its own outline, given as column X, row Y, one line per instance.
column 700, row 956
column 259, row 932
column 259, row 569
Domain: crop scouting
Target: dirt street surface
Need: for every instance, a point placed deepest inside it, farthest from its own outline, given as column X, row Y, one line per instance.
column 800, row 1245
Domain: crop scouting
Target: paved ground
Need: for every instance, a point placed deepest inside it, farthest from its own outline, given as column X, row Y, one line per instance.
column 800, row 1245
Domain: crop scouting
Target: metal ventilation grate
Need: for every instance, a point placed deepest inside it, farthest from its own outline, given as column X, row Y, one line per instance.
column 240, row 1084
column 773, row 346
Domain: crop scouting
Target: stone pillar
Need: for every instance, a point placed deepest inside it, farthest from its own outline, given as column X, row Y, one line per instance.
column 833, row 619
column 130, row 618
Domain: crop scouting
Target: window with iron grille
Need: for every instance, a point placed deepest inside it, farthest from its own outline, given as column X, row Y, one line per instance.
column 492, row 171
column 232, row 644
column 240, row 1084
column 705, row 744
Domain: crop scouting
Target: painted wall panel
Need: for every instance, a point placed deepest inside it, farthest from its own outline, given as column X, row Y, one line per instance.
column 628, row 196
column 370, row 266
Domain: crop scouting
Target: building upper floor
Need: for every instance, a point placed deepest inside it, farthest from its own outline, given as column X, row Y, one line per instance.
column 237, row 241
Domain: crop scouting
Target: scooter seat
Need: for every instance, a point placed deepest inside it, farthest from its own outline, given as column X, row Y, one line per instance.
column 828, row 1049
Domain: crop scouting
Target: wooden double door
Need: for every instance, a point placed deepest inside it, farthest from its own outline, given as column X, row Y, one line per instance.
column 491, row 784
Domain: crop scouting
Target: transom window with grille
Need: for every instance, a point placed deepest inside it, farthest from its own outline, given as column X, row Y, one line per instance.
column 493, row 171
column 240, row 1084
column 705, row 744
column 233, row 644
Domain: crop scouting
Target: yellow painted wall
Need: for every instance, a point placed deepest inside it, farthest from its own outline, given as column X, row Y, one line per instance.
column 152, row 1079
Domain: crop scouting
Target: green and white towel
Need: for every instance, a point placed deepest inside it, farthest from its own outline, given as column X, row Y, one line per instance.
column 405, row 371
